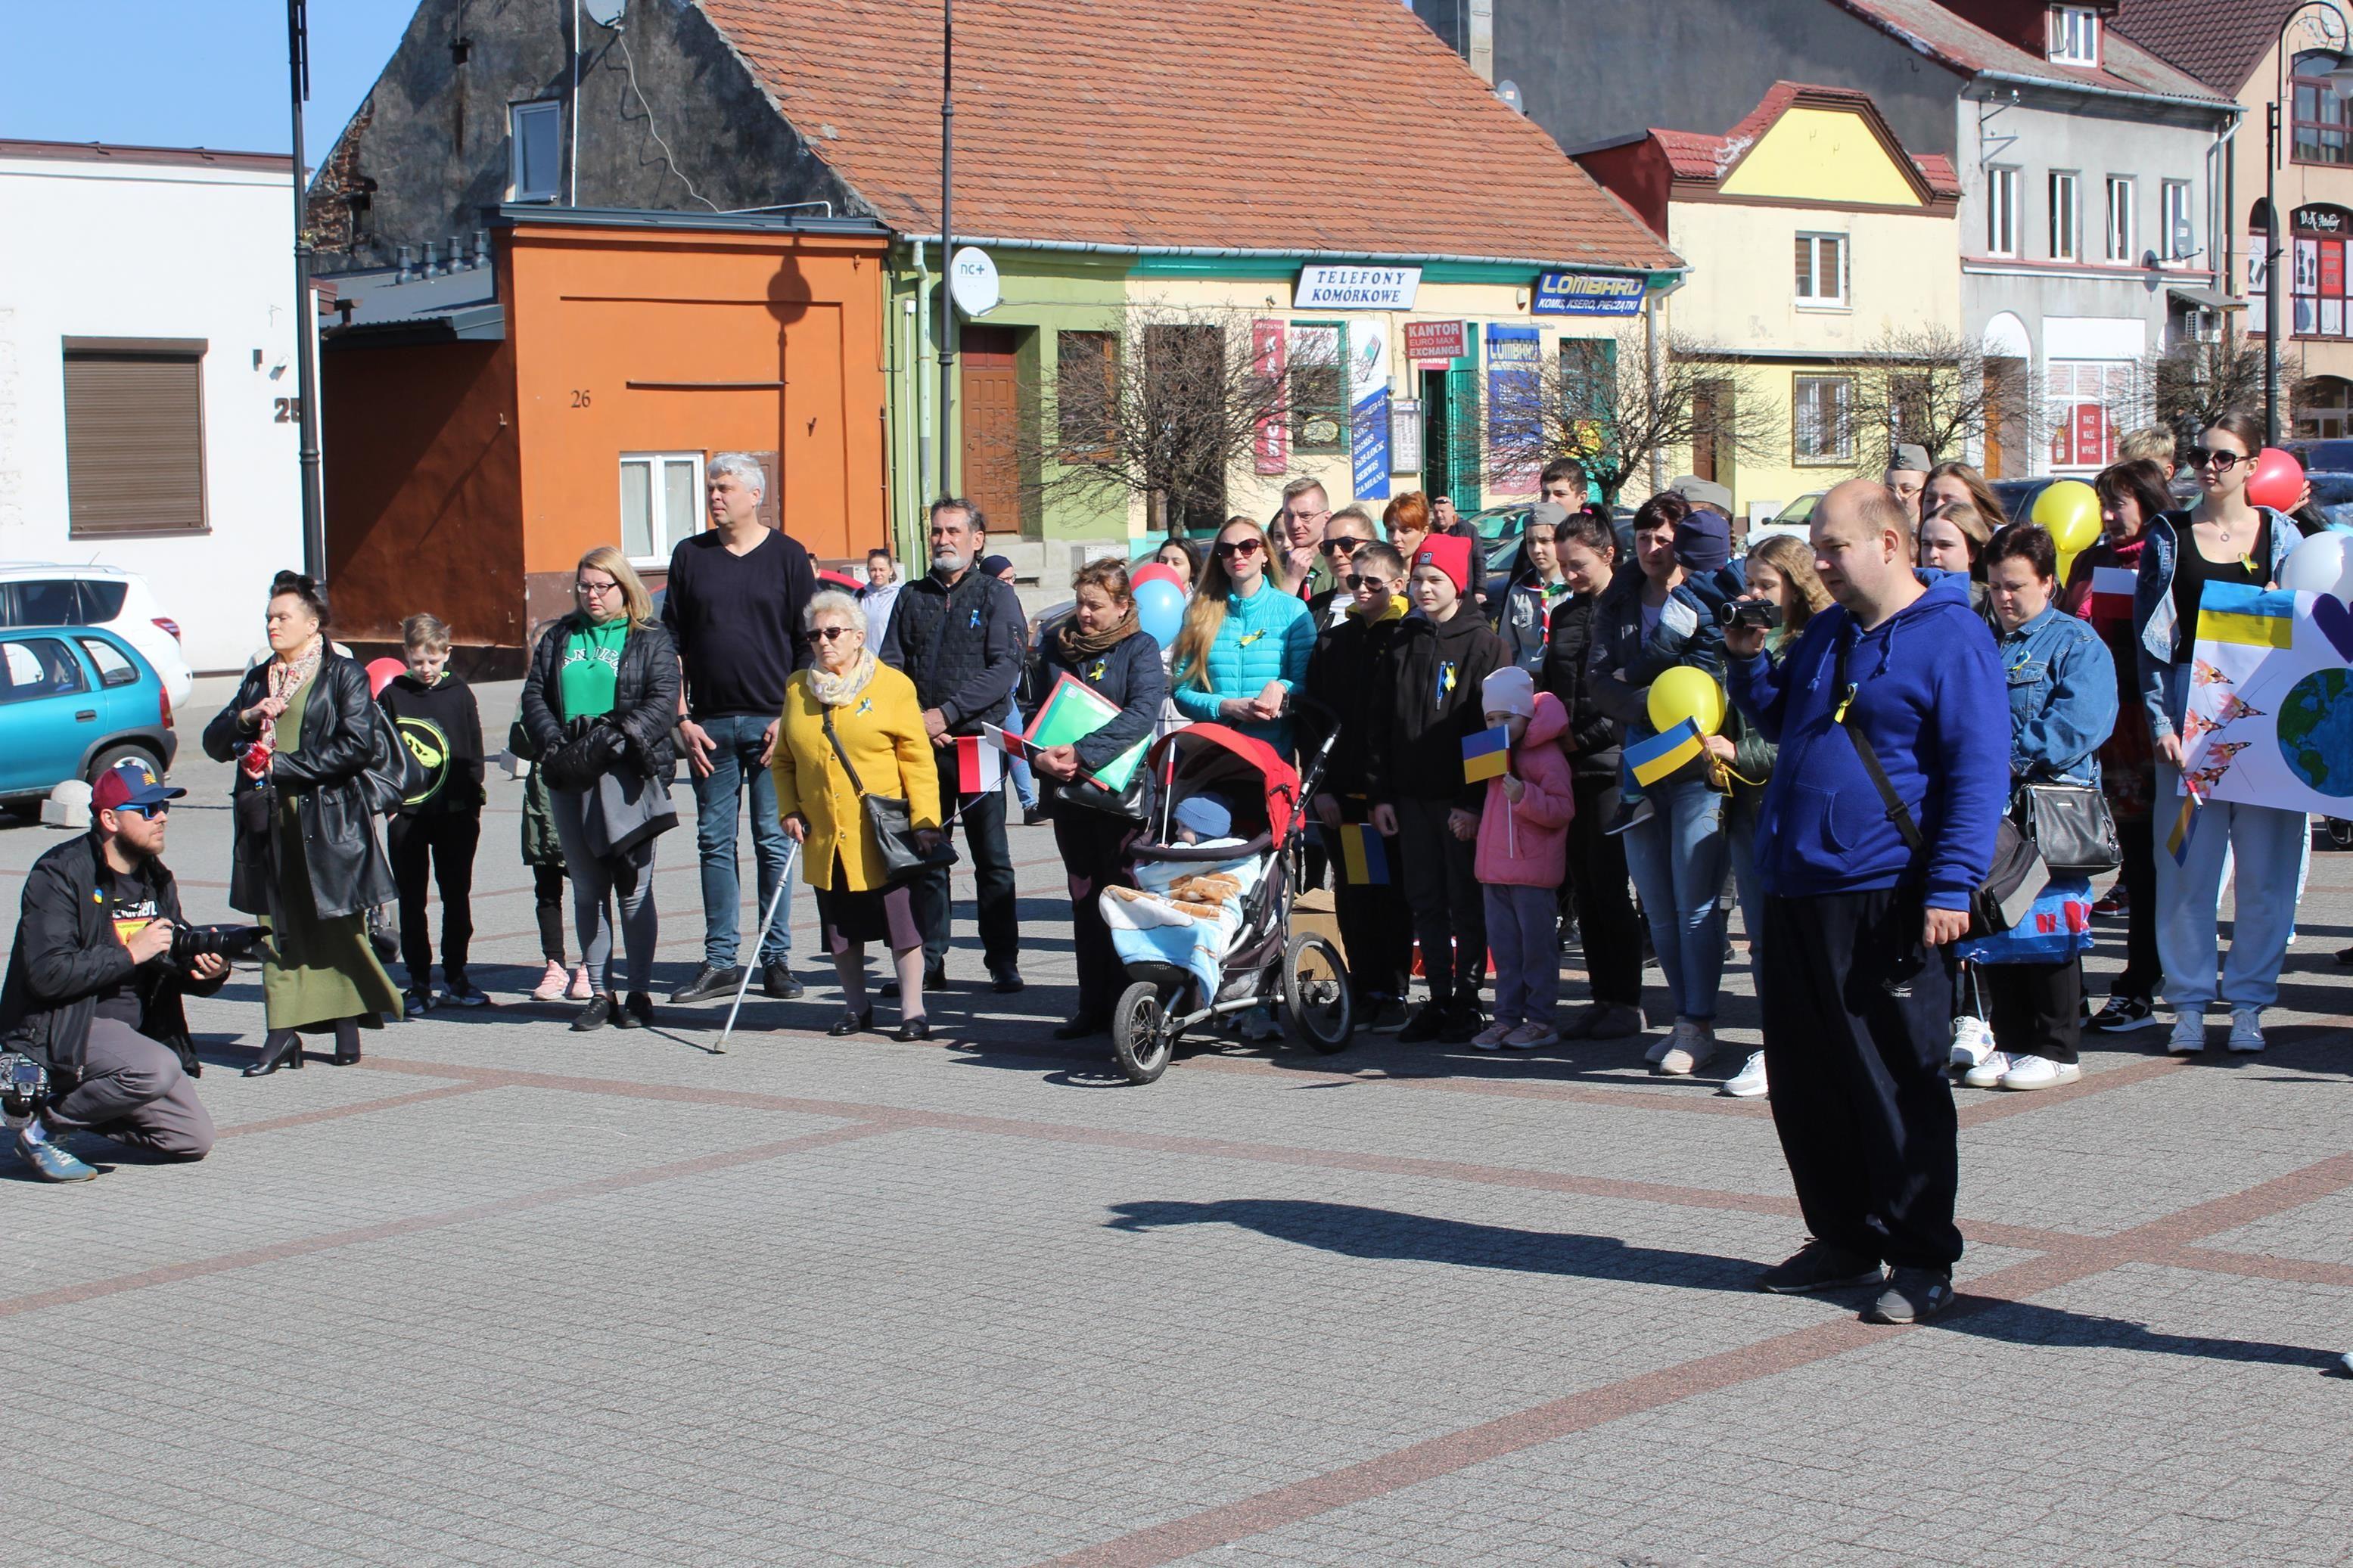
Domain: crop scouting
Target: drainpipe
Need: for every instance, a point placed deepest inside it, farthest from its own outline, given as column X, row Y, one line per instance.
column 1650, row 349
column 923, row 404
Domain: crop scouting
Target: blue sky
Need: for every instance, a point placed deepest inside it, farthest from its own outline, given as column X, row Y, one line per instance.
column 187, row 73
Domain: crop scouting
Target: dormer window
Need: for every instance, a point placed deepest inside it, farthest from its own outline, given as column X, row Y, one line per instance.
column 2075, row 36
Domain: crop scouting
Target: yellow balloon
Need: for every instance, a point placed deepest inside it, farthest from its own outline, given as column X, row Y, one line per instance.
column 1686, row 693
column 2070, row 511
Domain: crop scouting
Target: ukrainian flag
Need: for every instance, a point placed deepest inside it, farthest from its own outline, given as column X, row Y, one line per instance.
column 1362, row 856
column 1487, row 754
column 2248, row 616
column 1655, row 758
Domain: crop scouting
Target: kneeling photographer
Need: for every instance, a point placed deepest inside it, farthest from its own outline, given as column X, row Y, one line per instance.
column 95, row 979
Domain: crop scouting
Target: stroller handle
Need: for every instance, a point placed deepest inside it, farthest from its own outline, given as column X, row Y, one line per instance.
column 1203, row 852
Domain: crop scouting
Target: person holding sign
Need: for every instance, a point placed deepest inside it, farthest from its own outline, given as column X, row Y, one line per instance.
column 1523, row 857
column 1102, row 650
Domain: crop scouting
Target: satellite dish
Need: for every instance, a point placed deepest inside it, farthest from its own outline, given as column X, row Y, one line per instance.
column 972, row 281
column 604, row 13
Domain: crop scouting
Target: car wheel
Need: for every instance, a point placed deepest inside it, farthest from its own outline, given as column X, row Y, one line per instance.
column 120, row 751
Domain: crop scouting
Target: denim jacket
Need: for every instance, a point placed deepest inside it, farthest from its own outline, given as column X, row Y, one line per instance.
column 2152, row 615
column 2063, row 699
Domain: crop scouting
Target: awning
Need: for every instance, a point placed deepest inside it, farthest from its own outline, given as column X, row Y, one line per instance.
column 481, row 322
column 2204, row 299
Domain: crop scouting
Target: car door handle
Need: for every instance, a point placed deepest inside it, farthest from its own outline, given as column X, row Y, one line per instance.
column 87, row 716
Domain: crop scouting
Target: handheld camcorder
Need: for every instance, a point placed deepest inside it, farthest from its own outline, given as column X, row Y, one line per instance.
column 1762, row 613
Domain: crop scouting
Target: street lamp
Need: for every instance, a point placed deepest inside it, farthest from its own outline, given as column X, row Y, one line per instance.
column 306, row 365
column 2320, row 25
column 947, row 232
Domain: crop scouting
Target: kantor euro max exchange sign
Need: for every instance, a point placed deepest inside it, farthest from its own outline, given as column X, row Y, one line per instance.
column 1322, row 288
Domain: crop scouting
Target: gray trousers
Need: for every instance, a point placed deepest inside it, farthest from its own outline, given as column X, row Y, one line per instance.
column 132, row 1090
column 598, row 882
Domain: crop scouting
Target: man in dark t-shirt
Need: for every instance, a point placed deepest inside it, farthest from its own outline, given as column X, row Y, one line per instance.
column 734, row 603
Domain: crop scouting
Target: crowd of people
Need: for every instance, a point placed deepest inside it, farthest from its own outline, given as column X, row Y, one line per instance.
column 1886, row 695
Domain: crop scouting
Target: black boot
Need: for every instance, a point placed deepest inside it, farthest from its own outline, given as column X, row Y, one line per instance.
column 347, row 1042
column 279, row 1049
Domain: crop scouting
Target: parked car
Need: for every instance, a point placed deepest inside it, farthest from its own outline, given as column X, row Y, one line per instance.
column 1798, row 516
column 38, row 593
column 2017, row 496
column 74, row 701
column 2321, row 456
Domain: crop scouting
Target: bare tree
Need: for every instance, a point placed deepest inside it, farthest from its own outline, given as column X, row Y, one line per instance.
column 2187, row 386
column 1599, row 404
column 1167, row 408
column 1929, row 386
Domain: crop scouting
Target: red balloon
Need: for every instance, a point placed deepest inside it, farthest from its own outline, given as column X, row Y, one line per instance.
column 380, row 672
column 1153, row 572
column 2278, row 480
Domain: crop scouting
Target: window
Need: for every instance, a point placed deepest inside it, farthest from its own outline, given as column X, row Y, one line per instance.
column 534, row 144
column 2317, row 287
column 2002, row 212
column 2066, row 218
column 46, row 602
column 2075, row 36
column 1086, row 392
column 1319, row 400
column 1588, row 374
column 2120, row 219
column 2089, row 401
column 134, row 436
column 113, row 668
column 661, row 503
column 38, row 667
column 2324, row 107
column 1823, row 430
column 2180, row 231
column 1821, row 269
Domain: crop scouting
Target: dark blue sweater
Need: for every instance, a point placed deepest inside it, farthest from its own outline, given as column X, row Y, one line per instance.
column 1931, row 705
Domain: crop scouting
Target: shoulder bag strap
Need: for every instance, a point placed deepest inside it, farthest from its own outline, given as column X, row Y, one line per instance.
column 1897, row 811
column 825, row 716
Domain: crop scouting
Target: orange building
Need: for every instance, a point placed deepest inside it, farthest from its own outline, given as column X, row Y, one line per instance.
column 489, row 415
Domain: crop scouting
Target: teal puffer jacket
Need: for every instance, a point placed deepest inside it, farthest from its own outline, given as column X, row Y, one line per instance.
column 1266, row 636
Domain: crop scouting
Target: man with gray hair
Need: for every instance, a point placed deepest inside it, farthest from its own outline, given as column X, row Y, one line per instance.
column 734, row 602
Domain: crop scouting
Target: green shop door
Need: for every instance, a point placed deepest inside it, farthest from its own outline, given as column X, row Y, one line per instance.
column 1450, row 424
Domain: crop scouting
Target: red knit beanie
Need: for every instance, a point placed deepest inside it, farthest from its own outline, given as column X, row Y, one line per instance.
column 1451, row 555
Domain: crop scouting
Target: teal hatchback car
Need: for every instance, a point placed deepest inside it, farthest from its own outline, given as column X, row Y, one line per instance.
column 74, row 701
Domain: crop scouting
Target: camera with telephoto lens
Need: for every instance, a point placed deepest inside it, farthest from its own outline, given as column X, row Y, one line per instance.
column 1761, row 614
column 229, row 942
column 23, row 1086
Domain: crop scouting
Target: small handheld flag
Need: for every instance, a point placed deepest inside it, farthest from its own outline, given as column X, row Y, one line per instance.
column 1363, row 857
column 980, row 767
column 1653, row 760
column 2176, row 843
column 1487, row 754
column 1011, row 744
column 2112, row 592
column 2252, row 617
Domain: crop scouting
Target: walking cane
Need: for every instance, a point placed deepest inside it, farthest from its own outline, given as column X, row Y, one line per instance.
column 791, row 855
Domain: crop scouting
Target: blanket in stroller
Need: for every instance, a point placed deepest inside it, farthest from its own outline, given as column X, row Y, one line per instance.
column 1183, row 914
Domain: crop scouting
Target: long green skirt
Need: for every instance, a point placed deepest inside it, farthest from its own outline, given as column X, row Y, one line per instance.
column 322, row 969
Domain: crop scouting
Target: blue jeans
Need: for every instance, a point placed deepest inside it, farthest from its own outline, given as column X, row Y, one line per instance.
column 1677, row 859
column 734, row 762
column 1025, row 783
column 2267, row 846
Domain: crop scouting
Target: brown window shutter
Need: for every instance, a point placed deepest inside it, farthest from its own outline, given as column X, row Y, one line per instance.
column 134, row 442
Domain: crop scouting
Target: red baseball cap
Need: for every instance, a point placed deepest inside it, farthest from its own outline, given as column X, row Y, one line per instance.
column 1450, row 555
column 131, row 782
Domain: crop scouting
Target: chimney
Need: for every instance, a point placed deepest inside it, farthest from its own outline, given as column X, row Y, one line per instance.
column 404, row 264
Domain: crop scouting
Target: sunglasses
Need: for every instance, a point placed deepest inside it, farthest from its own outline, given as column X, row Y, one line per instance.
column 2220, row 462
column 160, row 808
column 1344, row 545
column 829, row 633
column 1356, row 582
column 1239, row 546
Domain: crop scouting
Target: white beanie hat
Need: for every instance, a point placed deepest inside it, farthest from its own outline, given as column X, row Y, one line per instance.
column 1510, row 689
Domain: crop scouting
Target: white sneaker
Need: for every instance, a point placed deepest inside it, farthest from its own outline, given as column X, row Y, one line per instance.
column 1658, row 1048
column 1972, row 1041
column 1990, row 1072
column 1531, row 1037
column 1688, row 1049
column 1748, row 1083
column 1490, row 1038
column 2246, row 1029
column 1259, row 1027
column 2188, row 1036
column 2040, row 1072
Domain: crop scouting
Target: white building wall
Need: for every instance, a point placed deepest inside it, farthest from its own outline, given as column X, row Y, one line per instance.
column 108, row 247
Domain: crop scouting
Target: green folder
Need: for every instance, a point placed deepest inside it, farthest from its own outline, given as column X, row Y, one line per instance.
column 1073, row 710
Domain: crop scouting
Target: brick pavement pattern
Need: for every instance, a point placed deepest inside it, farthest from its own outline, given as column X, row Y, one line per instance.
column 508, row 1294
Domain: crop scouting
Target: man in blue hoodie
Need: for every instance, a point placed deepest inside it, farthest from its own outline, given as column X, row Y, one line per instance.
column 1858, row 1003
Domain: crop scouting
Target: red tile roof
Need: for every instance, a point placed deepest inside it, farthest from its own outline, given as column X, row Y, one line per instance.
column 1694, row 156
column 2219, row 42
column 1939, row 34
column 1339, row 126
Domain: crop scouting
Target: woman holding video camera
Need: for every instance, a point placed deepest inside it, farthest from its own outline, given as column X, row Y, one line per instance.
column 302, row 729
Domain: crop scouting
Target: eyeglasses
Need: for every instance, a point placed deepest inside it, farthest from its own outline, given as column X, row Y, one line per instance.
column 829, row 633
column 1357, row 582
column 1239, row 546
column 2220, row 462
column 596, row 590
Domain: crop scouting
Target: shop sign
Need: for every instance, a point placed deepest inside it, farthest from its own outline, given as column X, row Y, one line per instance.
column 1369, row 434
column 1322, row 288
column 1436, row 341
column 2321, row 220
column 1588, row 294
column 1270, row 445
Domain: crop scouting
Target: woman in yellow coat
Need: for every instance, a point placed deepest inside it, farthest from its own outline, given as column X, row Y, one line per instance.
column 879, row 725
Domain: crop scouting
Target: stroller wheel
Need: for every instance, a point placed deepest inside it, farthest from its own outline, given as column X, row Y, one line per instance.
column 1315, row 993
column 1140, row 1036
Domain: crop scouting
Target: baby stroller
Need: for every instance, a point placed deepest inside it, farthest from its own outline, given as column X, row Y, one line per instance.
column 1262, row 962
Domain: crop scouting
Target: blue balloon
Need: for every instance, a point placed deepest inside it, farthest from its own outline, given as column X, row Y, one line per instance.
column 1160, row 610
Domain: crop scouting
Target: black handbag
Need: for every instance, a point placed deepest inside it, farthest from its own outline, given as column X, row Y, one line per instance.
column 2017, row 875
column 589, row 750
column 887, row 816
column 2070, row 827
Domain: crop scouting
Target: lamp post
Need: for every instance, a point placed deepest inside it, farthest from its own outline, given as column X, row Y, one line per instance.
column 306, row 367
column 2322, row 26
column 947, row 234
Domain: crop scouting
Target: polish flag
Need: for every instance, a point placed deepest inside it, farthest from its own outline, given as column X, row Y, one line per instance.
column 980, row 767
column 2112, row 592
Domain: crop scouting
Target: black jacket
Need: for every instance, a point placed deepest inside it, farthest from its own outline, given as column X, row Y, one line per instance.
column 1342, row 674
column 961, row 646
column 645, row 694
column 1426, row 703
column 1592, row 737
column 65, row 953
column 1127, row 673
column 348, row 872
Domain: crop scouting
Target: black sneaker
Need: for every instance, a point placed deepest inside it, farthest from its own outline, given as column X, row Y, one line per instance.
column 1427, row 1022
column 634, row 1013
column 462, row 993
column 1818, row 1266
column 1912, row 1296
column 1463, row 1022
column 711, row 980
column 595, row 1015
column 2122, row 1015
column 777, row 980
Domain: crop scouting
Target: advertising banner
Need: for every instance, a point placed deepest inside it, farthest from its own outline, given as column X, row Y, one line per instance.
column 1587, row 294
column 1368, row 392
column 1322, row 288
column 1426, row 341
column 1513, row 364
column 1270, row 448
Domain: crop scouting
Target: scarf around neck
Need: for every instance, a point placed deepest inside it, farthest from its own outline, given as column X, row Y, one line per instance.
column 1076, row 645
column 835, row 690
column 286, row 679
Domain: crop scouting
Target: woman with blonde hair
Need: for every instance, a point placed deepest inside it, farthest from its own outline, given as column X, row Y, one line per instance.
column 603, row 688
column 1245, row 641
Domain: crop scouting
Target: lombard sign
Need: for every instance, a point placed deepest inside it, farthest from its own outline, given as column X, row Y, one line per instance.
column 1357, row 288
column 1587, row 294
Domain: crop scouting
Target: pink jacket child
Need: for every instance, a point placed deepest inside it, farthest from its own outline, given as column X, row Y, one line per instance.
column 1525, row 844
